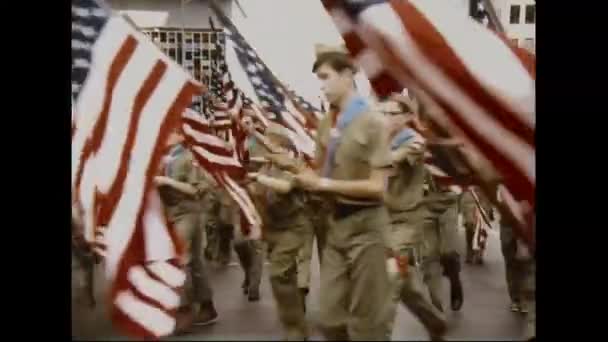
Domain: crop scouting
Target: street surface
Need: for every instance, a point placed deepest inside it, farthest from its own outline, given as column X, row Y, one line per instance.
column 484, row 315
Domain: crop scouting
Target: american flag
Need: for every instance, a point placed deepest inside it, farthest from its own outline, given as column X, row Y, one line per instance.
column 483, row 86
column 224, row 102
column 221, row 159
column 306, row 106
column 229, row 100
column 128, row 97
column 274, row 102
column 218, row 141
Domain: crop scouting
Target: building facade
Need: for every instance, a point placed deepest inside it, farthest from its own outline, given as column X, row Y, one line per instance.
column 181, row 29
column 519, row 20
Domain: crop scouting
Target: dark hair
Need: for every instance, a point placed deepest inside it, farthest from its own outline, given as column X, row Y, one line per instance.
column 336, row 60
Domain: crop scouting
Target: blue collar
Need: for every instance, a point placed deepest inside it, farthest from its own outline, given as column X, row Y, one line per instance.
column 404, row 136
column 355, row 107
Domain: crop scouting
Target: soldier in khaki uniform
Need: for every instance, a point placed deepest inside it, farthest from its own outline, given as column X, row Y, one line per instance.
column 406, row 203
column 249, row 252
column 448, row 247
column 471, row 219
column 318, row 212
column 184, row 192
column 520, row 269
column 352, row 151
column 286, row 229
column 440, row 255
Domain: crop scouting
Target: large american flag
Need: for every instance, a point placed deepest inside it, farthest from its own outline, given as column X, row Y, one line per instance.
column 128, row 97
column 222, row 160
column 217, row 141
column 483, row 86
column 277, row 105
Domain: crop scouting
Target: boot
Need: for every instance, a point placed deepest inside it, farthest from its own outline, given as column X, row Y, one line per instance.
column 469, row 233
column 254, row 294
column 478, row 258
column 451, row 269
column 245, row 285
column 456, row 295
column 303, row 294
column 206, row 315
column 184, row 319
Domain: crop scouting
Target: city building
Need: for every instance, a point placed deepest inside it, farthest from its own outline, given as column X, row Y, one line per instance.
column 518, row 18
column 180, row 28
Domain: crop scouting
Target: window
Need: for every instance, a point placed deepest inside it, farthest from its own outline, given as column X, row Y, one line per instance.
column 530, row 14
column 529, row 44
column 193, row 53
column 515, row 13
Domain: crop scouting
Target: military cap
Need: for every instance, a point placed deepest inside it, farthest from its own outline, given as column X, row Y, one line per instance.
column 321, row 49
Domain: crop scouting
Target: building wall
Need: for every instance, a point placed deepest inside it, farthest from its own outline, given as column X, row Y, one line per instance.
column 168, row 13
column 521, row 30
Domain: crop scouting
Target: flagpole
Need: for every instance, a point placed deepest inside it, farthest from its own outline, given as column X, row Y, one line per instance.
column 489, row 7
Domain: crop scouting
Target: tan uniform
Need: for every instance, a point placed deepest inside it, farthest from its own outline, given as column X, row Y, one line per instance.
column 286, row 230
column 318, row 212
column 188, row 217
column 409, row 217
column 470, row 218
column 227, row 235
column 521, row 276
column 440, row 245
column 355, row 287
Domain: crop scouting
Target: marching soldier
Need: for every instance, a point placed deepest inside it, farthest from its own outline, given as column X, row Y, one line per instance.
column 250, row 253
column 317, row 211
column 448, row 247
column 352, row 152
column 473, row 223
column 440, row 256
column 405, row 200
column 185, row 193
column 440, row 252
column 286, row 230
column 520, row 269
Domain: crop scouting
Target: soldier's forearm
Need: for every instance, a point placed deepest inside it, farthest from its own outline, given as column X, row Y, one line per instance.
column 278, row 185
column 369, row 188
column 185, row 188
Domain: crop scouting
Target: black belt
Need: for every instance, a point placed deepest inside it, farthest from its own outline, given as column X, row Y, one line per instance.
column 343, row 210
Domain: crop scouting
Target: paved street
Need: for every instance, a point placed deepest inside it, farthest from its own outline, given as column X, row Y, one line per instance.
column 484, row 316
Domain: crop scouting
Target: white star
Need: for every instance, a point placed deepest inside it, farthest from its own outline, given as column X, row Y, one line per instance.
column 256, row 80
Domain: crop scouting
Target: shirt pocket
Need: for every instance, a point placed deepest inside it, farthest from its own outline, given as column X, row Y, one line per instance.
column 351, row 153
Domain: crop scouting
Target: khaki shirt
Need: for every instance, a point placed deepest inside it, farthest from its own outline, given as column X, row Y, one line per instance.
column 183, row 170
column 282, row 210
column 405, row 188
column 363, row 146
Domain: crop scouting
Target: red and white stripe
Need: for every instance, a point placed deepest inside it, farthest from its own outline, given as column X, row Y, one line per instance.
column 132, row 99
column 484, row 86
column 221, row 159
